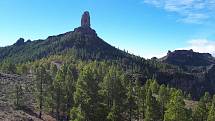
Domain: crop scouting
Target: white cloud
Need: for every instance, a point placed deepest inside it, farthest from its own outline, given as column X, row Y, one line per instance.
column 191, row 11
column 194, row 18
column 201, row 45
column 197, row 45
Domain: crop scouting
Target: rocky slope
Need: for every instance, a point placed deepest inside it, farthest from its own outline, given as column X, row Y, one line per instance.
column 195, row 73
column 8, row 110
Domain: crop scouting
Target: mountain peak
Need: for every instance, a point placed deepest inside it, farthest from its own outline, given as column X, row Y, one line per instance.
column 85, row 28
column 85, row 19
column 20, row 41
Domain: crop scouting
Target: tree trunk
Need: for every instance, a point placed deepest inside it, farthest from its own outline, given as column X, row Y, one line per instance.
column 41, row 101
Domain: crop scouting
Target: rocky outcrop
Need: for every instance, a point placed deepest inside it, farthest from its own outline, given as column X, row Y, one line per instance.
column 20, row 41
column 188, row 58
column 85, row 20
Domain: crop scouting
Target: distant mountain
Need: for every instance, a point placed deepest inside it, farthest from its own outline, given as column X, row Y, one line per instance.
column 188, row 58
column 195, row 74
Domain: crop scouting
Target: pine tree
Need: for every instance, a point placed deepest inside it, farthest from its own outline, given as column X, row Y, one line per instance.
column 50, row 104
column 113, row 115
column 211, row 114
column 147, row 85
column 86, row 93
column 131, row 101
column 176, row 110
column 113, row 93
column 152, row 112
column 154, row 86
column 207, row 97
column 42, row 80
column 19, row 97
column 140, row 100
column 77, row 114
column 163, row 99
column 53, row 70
column 59, row 91
column 71, row 79
column 200, row 112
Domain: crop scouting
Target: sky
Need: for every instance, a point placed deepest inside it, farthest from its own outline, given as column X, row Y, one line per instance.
column 146, row 28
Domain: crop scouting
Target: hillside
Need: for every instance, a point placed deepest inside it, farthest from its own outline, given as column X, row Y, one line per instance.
column 196, row 71
column 8, row 111
column 82, row 39
column 192, row 72
column 78, row 76
column 82, row 43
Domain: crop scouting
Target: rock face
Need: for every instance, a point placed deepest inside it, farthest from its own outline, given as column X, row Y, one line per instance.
column 85, row 20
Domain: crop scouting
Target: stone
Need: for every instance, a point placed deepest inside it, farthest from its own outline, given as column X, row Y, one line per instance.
column 85, row 20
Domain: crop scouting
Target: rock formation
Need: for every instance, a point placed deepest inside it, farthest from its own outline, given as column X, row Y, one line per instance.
column 188, row 58
column 20, row 41
column 85, row 28
column 85, row 20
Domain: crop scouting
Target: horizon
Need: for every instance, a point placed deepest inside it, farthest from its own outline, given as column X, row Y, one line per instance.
column 139, row 33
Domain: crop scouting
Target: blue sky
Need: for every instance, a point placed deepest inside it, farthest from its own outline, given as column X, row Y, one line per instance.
column 143, row 27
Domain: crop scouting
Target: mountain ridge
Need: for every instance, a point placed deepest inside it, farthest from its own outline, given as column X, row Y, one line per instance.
column 188, row 58
column 84, row 43
column 79, row 38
